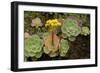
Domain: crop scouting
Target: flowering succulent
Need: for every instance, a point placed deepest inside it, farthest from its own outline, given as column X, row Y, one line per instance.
column 71, row 28
column 64, row 47
column 33, row 47
column 36, row 22
column 85, row 31
column 51, row 40
column 52, row 24
column 51, row 45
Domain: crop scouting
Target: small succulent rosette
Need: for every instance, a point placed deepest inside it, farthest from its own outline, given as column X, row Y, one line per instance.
column 36, row 22
column 85, row 31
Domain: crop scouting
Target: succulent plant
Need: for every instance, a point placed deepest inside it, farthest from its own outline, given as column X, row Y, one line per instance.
column 85, row 31
column 36, row 22
column 51, row 47
column 33, row 46
column 51, row 40
column 71, row 28
column 64, row 47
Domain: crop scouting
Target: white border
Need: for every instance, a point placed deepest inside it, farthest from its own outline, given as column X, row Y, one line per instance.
column 22, row 64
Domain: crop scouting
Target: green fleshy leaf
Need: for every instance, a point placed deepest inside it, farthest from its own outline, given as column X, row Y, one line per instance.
column 53, row 54
column 72, row 38
column 46, row 51
column 38, row 55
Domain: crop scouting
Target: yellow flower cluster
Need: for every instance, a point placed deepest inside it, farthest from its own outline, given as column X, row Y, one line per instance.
column 52, row 23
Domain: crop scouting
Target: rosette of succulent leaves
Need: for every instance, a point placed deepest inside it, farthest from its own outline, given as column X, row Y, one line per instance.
column 70, row 28
column 36, row 25
column 36, row 22
column 33, row 47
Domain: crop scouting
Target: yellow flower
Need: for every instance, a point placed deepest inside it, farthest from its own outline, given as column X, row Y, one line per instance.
column 52, row 24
